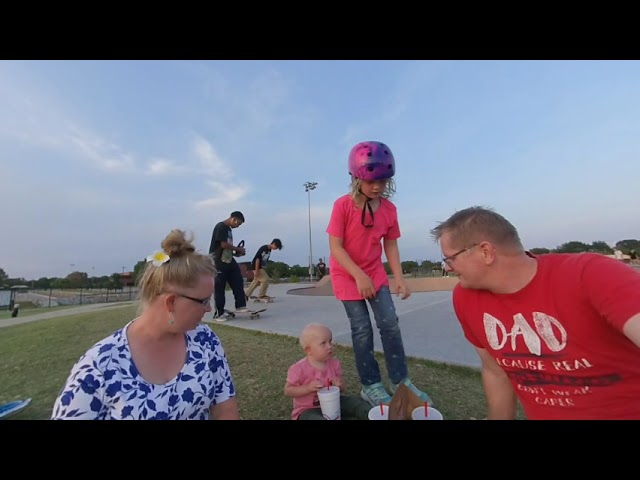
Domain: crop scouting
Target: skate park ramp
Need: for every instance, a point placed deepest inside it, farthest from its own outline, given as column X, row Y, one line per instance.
column 324, row 287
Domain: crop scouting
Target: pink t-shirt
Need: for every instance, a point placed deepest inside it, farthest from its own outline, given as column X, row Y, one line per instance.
column 301, row 373
column 560, row 338
column 361, row 243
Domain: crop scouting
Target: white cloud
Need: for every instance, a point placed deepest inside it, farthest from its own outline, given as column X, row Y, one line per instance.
column 223, row 194
column 105, row 155
column 212, row 163
column 161, row 166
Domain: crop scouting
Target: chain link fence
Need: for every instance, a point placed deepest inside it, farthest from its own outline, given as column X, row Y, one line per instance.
column 75, row 296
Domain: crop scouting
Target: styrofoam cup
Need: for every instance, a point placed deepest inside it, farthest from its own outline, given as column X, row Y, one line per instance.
column 376, row 414
column 330, row 402
column 418, row 413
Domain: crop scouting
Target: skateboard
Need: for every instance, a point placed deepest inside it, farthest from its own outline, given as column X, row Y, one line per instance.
column 262, row 300
column 252, row 313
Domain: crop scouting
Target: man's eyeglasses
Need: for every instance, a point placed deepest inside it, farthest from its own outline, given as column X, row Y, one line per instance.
column 451, row 258
column 205, row 302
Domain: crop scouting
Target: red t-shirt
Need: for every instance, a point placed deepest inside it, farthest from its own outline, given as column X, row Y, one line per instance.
column 560, row 338
column 361, row 243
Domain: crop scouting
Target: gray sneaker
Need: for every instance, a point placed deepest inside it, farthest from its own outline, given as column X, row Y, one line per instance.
column 375, row 394
column 221, row 318
column 241, row 310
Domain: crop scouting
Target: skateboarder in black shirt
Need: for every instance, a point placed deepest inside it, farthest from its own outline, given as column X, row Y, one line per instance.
column 223, row 251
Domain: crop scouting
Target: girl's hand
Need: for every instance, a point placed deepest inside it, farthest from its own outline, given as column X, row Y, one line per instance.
column 402, row 289
column 366, row 286
column 337, row 382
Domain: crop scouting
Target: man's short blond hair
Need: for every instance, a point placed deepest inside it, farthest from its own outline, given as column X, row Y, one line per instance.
column 478, row 224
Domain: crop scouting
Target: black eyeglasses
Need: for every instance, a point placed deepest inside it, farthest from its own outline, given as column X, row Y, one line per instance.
column 205, row 302
column 450, row 258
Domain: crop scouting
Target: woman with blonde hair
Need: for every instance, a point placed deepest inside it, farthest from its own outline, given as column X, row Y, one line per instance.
column 163, row 364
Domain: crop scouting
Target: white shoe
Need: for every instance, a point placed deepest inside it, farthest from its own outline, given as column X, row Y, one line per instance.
column 242, row 310
column 221, row 318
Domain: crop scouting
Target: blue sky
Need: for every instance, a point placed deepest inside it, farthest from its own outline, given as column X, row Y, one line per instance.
column 101, row 159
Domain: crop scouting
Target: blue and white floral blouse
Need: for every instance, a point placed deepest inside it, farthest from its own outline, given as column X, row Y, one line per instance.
column 105, row 383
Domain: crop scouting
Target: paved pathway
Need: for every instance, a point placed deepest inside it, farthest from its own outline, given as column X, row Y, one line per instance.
column 27, row 316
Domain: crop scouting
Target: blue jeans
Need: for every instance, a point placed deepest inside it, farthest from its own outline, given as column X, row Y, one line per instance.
column 228, row 273
column 386, row 318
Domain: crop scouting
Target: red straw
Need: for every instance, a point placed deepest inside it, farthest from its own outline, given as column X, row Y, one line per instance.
column 328, row 384
column 426, row 409
column 381, row 409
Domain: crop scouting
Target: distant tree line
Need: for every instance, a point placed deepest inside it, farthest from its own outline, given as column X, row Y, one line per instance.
column 280, row 270
column 73, row 280
column 625, row 246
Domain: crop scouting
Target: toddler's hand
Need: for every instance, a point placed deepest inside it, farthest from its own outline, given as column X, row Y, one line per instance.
column 315, row 385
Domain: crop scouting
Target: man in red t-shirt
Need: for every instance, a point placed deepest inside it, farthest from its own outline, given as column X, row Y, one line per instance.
column 559, row 332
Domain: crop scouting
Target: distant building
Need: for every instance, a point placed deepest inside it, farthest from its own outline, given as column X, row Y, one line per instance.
column 127, row 279
column 618, row 255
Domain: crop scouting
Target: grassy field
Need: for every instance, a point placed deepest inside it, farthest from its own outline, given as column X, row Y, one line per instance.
column 35, row 360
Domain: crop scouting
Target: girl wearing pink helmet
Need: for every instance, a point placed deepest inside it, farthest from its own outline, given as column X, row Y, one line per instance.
column 362, row 223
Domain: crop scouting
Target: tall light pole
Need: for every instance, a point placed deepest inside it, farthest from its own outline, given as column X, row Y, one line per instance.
column 308, row 186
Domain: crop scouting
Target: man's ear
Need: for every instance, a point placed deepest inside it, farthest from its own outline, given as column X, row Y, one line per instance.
column 488, row 252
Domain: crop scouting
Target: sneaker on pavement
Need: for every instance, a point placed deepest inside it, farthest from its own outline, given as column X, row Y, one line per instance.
column 221, row 318
column 423, row 396
column 375, row 394
column 242, row 310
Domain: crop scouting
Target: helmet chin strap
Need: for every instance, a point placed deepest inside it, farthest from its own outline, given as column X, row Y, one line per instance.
column 367, row 204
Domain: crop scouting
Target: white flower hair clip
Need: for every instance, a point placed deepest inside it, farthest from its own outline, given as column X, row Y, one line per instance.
column 158, row 258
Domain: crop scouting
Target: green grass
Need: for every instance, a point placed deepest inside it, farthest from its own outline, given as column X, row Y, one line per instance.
column 36, row 357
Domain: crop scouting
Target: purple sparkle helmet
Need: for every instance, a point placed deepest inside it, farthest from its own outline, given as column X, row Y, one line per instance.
column 371, row 161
